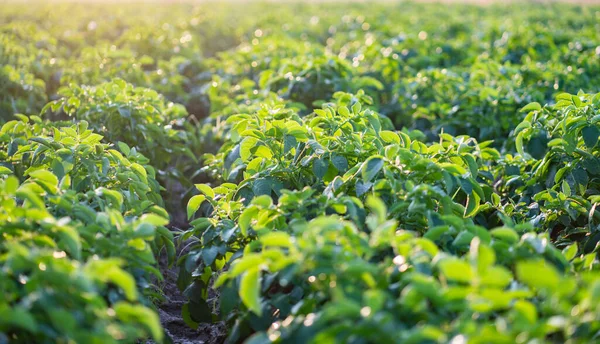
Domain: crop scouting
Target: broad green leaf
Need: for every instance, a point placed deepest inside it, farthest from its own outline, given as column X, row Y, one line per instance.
column 455, row 269
column 378, row 207
column 124, row 148
column 250, row 290
column 527, row 311
column 453, row 168
column 45, row 176
column 590, row 135
column 124, row 280
column 320, row 166
column 263, row 152
column 389, row 136
column 193, row 205
column 206, row 190
column 140, row 171
column 246, row 146
column 187, row 318
column 340, row 163
column 496, row 276
column 570, row 251
column 342, row 110
column 246, row 218
column 531, row 107
column 280, row 239
column 472, row 205
column 262, row 186
column 506, row 234
column 519, row 144
column 19, row 317
column 371, row 167
column 522, row 126
column 143, row 315
column 26, row 193
column 114, row 196
column 536, row 146
column 11, row 184
column 538, row 274
column 154, row 219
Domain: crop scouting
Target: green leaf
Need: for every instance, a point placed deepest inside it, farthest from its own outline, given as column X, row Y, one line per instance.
column 527, row 311
column 246, row 146
column 457, row 270
column 247, row 262
column 506, row 234
column 570, row 252
column 263, row 152
column 124, row 280
column 519, row 144
column 531, row 107
column 320, row 166
column 565, row 188
column 289, row 142
column 140, row 314
column 26, row 193
column 114, row 196
column 453, row 168
column 45, row 176
column 522, row 126
column 11, row 184
column 209, row 254
column 19, row 317
column 377, row 207
column 124, row 148
column 70, row 238
column 495, row 199
column 193, row 205
column 590, row 136
column 264, row 201
column 339, row 162
column 538, row 274
column 154, row 219
column 536, row 146
column 342, row 110
column 246, row 218
column 371, row 167
column 205, row 189
column 389, row 136
column 5, row 170
column 279, row 239
column 472, row 205
column 187, row 318
column 496, row 276
column 262, row 186
column 250, row 290
column 140, row 171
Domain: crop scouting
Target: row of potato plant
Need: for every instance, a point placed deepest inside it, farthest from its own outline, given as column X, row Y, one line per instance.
column 334, row 228
column 81, row 223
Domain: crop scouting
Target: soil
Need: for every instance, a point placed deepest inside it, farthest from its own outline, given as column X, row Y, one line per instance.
column 170, row 315
column 169, row 310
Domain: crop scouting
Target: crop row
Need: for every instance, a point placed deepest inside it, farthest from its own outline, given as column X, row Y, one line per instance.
column 81, row 225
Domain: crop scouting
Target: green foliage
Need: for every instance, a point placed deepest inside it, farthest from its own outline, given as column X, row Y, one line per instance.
column 373, row 172
column 80, row 225
column 557, row 180
column 136, row 116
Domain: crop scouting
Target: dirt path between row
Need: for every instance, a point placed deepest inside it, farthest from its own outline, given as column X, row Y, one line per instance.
column 170, row 315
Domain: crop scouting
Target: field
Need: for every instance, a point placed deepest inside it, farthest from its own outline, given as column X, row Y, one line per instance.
column 299, row 172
